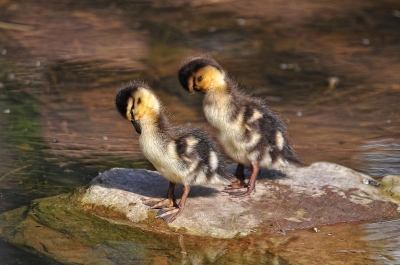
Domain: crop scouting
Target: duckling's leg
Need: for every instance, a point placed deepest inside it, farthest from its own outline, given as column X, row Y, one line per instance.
column 251, row 184
column 164, row 203
column 240, row 175
column 170, row 214
column 239, row 183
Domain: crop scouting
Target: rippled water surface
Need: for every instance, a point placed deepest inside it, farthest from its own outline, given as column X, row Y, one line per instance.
column 61, row 62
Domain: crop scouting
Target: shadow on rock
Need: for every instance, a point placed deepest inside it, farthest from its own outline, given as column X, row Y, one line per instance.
column 147, row 183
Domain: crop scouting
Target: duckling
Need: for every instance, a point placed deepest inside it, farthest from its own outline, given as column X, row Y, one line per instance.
column 183, row 155
column 248, row 131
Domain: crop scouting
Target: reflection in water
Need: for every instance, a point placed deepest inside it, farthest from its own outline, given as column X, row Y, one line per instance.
column 87, row 239
column 384, row 239
column 12, row 255
column 382, row 157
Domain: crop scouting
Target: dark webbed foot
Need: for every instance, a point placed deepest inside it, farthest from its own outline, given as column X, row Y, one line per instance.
column 169, row 214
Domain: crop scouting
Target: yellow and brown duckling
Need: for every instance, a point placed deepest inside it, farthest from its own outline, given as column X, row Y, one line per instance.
column 183, row 155
column 247, row 130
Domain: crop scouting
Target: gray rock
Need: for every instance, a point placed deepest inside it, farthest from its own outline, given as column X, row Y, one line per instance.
column 66, row 228
column 323, row 193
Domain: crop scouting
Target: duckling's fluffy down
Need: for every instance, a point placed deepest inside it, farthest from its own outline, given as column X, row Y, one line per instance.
column 184, row 155
column 199, row 157
column 249, row 132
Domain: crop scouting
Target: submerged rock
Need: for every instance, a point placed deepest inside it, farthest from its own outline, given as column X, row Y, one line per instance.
column 322, row 193
column 60, row 229
column 107, row 223
column 391, row 186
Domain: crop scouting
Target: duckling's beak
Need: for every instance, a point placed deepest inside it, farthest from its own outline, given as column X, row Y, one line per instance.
column 197, row 89
column 137, row 126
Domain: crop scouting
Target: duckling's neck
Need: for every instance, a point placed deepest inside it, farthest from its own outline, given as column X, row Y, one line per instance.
column 154, row 125
column 219, row 103
column 155, row 138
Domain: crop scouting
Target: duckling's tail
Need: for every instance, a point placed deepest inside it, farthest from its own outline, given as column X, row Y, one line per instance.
column 291, row 156
column 227, row 178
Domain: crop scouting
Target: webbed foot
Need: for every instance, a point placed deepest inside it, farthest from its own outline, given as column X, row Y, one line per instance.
column 159, row 203
column 239, row 192
column 250, row 185
column 236, row 185
column 169, row 214
column 169, row 210
column 234, row 191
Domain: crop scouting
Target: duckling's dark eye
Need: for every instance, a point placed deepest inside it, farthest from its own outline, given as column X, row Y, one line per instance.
column 139, row 101
column 199, row 78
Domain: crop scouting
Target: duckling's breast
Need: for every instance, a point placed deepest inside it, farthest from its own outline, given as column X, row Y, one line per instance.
column 162, row 154
column 237, row 139
column 241, row 140
column 240, row 147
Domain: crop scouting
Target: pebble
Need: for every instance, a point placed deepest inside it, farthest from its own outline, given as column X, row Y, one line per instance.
column 241, row 21
column 316, row 230
column 371, row 182
column 366, row 42
column 333, row 81
column 283, row 66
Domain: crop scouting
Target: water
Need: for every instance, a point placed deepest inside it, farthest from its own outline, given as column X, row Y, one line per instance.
column 61, row 62
column 385, row 234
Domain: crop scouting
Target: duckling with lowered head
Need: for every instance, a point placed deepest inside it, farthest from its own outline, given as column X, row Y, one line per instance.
column 182, row 155
column 247, row 130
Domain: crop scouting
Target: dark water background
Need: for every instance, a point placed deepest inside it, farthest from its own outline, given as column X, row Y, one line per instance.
column 61, row 61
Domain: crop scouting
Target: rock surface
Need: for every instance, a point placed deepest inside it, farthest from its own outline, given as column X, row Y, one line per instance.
column 322, row 193
column 391, row 186
column 66, row 228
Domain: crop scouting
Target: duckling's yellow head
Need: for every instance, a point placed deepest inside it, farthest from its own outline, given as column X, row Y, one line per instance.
column 136, row 101
column 201, row 74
